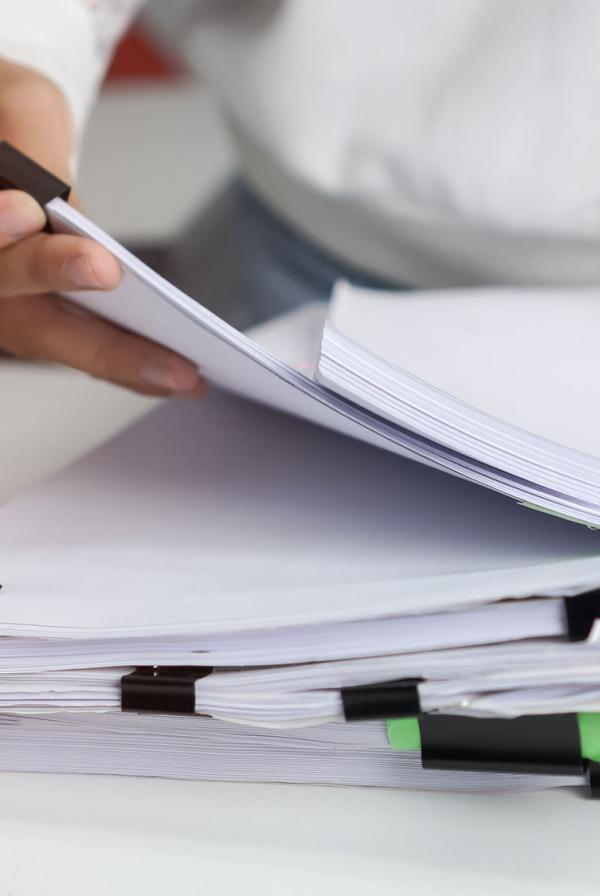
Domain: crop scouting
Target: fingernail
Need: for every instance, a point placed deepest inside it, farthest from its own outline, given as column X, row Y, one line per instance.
column 199, row 391
column 164, row 377
column 16, row 222
column 80, row 272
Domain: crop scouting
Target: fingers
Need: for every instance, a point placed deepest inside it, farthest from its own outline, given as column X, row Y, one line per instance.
column 39, row 327
column 56, row 263
column 32, row 262
column 20, row 216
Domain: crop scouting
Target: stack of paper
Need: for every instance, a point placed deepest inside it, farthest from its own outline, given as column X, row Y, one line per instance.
column 307, row 574
column 295, row 563
column 206, row 749
column 534, row 454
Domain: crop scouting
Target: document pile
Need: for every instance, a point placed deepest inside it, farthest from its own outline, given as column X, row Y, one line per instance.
column 225, row 591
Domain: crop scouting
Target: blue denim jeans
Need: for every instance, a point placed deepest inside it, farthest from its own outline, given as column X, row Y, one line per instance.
column 278, row 268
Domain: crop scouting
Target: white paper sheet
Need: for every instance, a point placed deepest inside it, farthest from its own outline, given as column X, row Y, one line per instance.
column 224, row 516
column 528, row 357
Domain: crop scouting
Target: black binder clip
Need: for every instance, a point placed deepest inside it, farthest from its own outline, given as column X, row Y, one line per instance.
column 169, row 689
column 546, row 745
column 19, row 172
column 593, row 779
column 582, row 611
column 388, row 700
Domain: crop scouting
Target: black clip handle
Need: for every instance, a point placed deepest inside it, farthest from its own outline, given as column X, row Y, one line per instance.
column 19, row 172
column 582, row 612
column 386, row 700
column 168, row 689
column 544, row 744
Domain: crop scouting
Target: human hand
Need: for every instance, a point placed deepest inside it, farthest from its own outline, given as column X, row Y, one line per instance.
column 34, row 322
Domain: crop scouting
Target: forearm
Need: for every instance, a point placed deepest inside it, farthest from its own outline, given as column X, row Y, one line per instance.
column 68, row 42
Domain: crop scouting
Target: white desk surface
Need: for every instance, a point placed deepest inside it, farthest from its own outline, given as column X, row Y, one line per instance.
column 91, row 835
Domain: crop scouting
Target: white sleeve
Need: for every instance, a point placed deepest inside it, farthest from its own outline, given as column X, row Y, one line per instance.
column 68, row 41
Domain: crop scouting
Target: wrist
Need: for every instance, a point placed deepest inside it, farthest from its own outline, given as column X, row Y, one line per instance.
column 35, row 117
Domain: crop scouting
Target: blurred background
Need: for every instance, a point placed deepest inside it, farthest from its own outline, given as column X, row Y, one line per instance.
column 156, row 165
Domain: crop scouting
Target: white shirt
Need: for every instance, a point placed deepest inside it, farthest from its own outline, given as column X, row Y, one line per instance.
column 432, row 142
